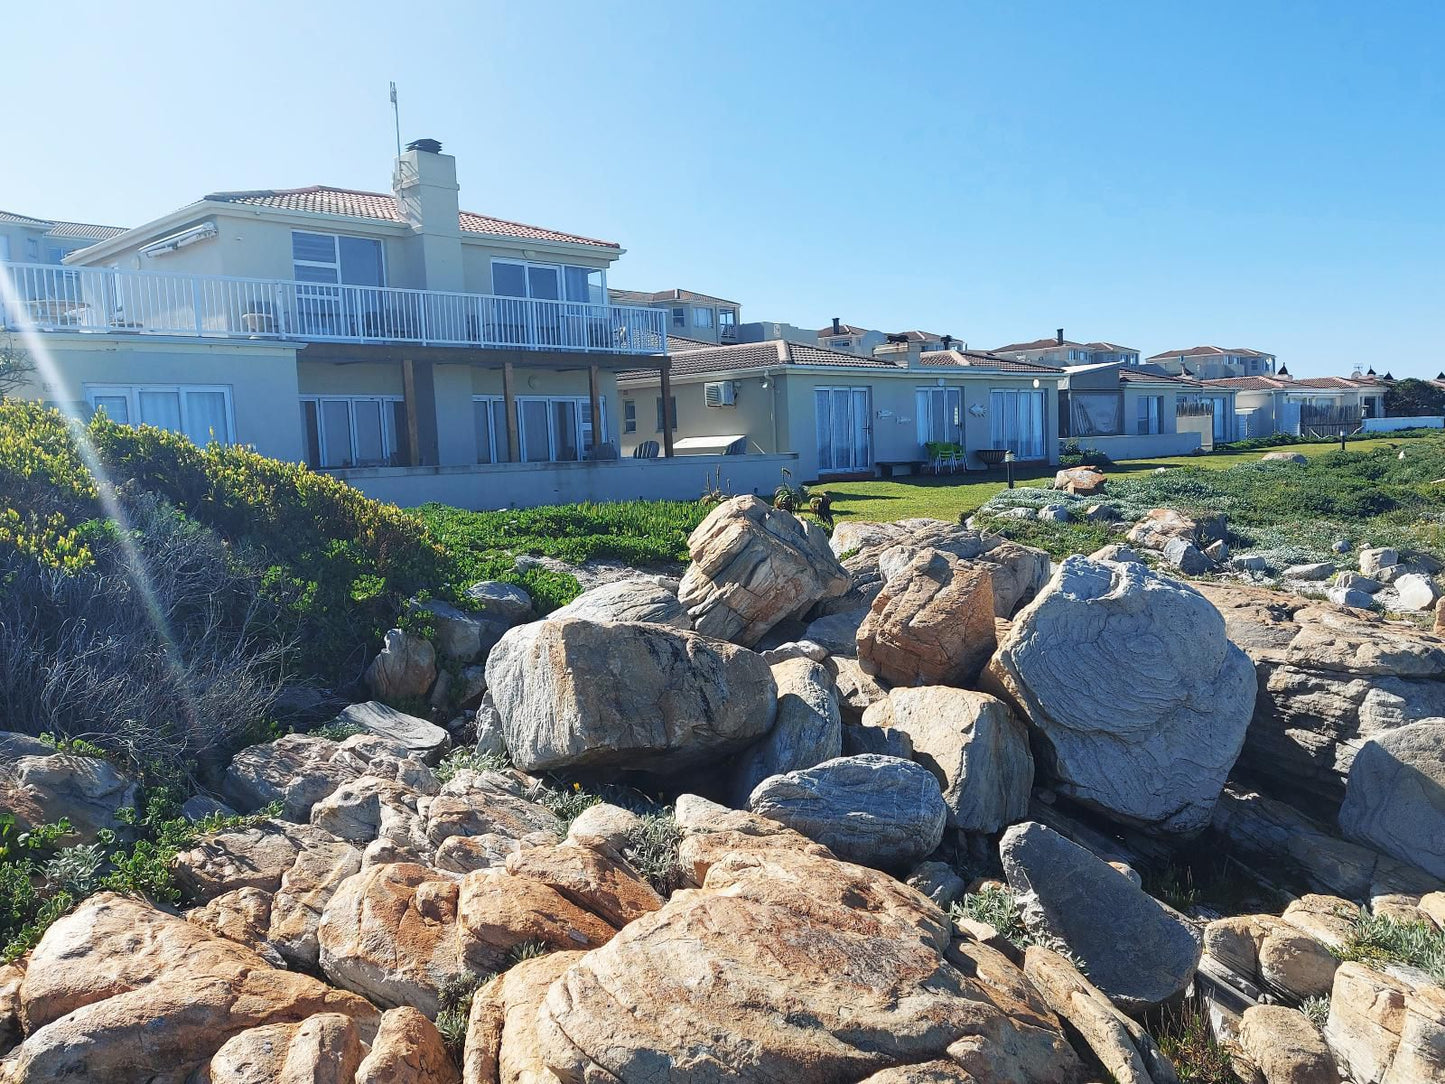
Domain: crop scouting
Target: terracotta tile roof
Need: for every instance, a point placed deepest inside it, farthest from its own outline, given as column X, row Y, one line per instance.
column 843, row 329
column 1130, row 375
column 763, row 355
column 1335, row 382
column 982, row 359
column 677, row 344
column 1037, row 344
column 56, row 228
column 643, row 297
column 1274, row 383
column 1208, row 351
column 323, row 199
column 1246, row 383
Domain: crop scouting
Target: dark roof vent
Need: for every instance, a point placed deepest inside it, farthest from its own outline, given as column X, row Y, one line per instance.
column 837, row 328
column 1283, row 370
column 898, row 337
column 1061, row 337
column 948, row 342
column 430, row 146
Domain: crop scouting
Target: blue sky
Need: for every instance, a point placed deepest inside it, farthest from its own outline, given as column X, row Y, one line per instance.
column 1162, row 175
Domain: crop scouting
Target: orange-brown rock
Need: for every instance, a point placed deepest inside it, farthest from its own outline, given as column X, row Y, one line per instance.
column 116, row 989
column 408, row 1049
column 931, row 624
column 323, row 1049
column 611, row 890
column 502, row 1027
column 242, row 916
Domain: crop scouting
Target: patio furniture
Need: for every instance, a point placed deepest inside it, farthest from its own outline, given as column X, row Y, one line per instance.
column 648, row 449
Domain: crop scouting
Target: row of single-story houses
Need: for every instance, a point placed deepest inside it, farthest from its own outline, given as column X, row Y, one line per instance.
column 424, row 352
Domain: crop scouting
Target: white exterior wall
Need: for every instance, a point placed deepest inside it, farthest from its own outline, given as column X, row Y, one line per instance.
column 261, row 378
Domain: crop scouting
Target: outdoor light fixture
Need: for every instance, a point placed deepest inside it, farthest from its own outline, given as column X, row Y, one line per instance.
column 1036, row 382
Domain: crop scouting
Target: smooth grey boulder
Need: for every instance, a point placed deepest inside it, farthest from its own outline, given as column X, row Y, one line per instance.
column 753, row 566
column 416, row 737
column 937, row 881
column 627, row 600
column 459, row 636
column 1116, row 551
column 838, row 632
column 296, row 770
column 14, row 745
column 1135, row 950
column 1348, row 595
column 808, row 730
column 405, row 667
column 1395, row 795
column 883, row 740
column 974, row 746
column 588, row 694
column 1184, row 555
column 1138, row 700
column 1415, row 592
column 1375, row 559
column 1358, row 582
column 1249, row 562
column 874, row 810
column 503, row 601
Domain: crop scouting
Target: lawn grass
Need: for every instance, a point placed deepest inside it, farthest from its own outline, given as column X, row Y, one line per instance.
column 948, row 497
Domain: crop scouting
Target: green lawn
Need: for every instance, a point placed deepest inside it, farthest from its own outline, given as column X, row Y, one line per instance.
column 951, row 496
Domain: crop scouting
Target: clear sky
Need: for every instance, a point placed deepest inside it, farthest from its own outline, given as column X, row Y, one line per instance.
column 1158, row 174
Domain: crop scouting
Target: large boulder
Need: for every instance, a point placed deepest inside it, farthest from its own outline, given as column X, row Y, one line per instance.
column 972, row 743
column 405, row 667
column 752, row 567
column 407, row 1049
column 296, row 770
column 1386, row 1029
column 1395, row 798
column 1285, row 1047
column 1138, row 700
column 584, row 694
column 1328, row 680
column 931, row 624
column 786, row 965
column 502, row 1026
column 86, row 791
column 1082, row 481
column 118, row 990
column 876, row 810
column 635, row 600
column 872, row 552
column 1159, row 525
column 1137, row 951
column 808, row 730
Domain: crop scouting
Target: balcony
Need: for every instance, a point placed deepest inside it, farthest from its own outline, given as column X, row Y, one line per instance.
column 105, row 300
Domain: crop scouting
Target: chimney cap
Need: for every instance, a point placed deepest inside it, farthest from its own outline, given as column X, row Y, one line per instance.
column 1061, row 337
column 837, row 329
column 430, row 146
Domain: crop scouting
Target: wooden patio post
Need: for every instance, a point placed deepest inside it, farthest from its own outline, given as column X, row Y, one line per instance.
column 413, row 425
column 594, row 389
column 668, row 421
column 509, row 404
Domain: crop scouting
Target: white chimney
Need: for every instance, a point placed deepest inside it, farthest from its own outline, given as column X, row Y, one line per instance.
column 425, row 186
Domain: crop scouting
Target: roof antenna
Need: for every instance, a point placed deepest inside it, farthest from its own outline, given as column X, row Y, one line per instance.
column 396, row 118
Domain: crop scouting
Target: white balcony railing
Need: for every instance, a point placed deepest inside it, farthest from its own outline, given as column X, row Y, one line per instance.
column 96, row 299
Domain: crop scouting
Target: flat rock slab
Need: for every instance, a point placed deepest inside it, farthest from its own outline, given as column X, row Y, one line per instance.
column 1140, row 954
column 417, row 736
column 627, row 600
column 879, row 811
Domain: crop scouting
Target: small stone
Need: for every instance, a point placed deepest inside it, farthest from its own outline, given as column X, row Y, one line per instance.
column 1249, row 562
column 1321, row 570
column 1218, row 550
column 1054, row 513
column 1376, row 558
column 937, row 881
column 1186, row 557
column 1416, row 592
column 1350, row 597
column 1340, row 546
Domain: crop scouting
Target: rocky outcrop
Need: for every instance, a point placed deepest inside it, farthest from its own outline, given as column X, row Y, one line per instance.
column 407, row 1049
column 1386, row 1029
column 412, row 735
column 974, row 746
column 772, row 970
column 581, row 694
column 1328, row 680
column 1125, row 1049
column 1285, row 1047
column 872, row 552
column 86, row 791
column 1138, row 701
column 502, row 1026
column 1137, row 951
column 752, row 567
column 808, row 730
column 242, row 916
column 876, row 810
column 1395, row 797
column 116, row 989
column 323, row 1049
column 405, row 667
column 635, row 600
column 296, row 770
column 931, row 624
column 1272, row 952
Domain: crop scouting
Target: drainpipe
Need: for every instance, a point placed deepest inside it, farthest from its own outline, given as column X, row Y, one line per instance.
column 773, row 405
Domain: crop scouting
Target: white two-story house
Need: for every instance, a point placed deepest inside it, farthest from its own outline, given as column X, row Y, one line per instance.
column 691, row 315
column 421, row 351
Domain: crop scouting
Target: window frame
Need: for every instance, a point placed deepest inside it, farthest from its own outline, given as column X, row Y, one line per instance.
column 132, row 392
column 335, row 239
column 700, row 311
column 629, row 416
column 391, row 440
column 561, row 269
column 582, row 425
column 952, row 394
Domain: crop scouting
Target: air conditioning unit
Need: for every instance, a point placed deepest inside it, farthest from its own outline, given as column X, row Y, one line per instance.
column 719, row 393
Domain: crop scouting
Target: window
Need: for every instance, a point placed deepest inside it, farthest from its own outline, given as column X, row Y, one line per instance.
column 32, row 249
column 489, row 414
column 556, row 429
column 679, row 318
column 940, row 415
column 200, row 412
column 1151, row 411
column 353, row 431
column 1016, row 422
column 1078, row 355
column 629, row 415
column 1095, row 414
column 329, row 258
column 727, row 318
column 583, row 284
column 672, row 404
column 841, row 344
column 702, row 317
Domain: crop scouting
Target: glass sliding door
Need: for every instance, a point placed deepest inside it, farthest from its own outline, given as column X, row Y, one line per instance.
column 844, row 432
column 533, row 418
column 939, row 412
column 1016, row 422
